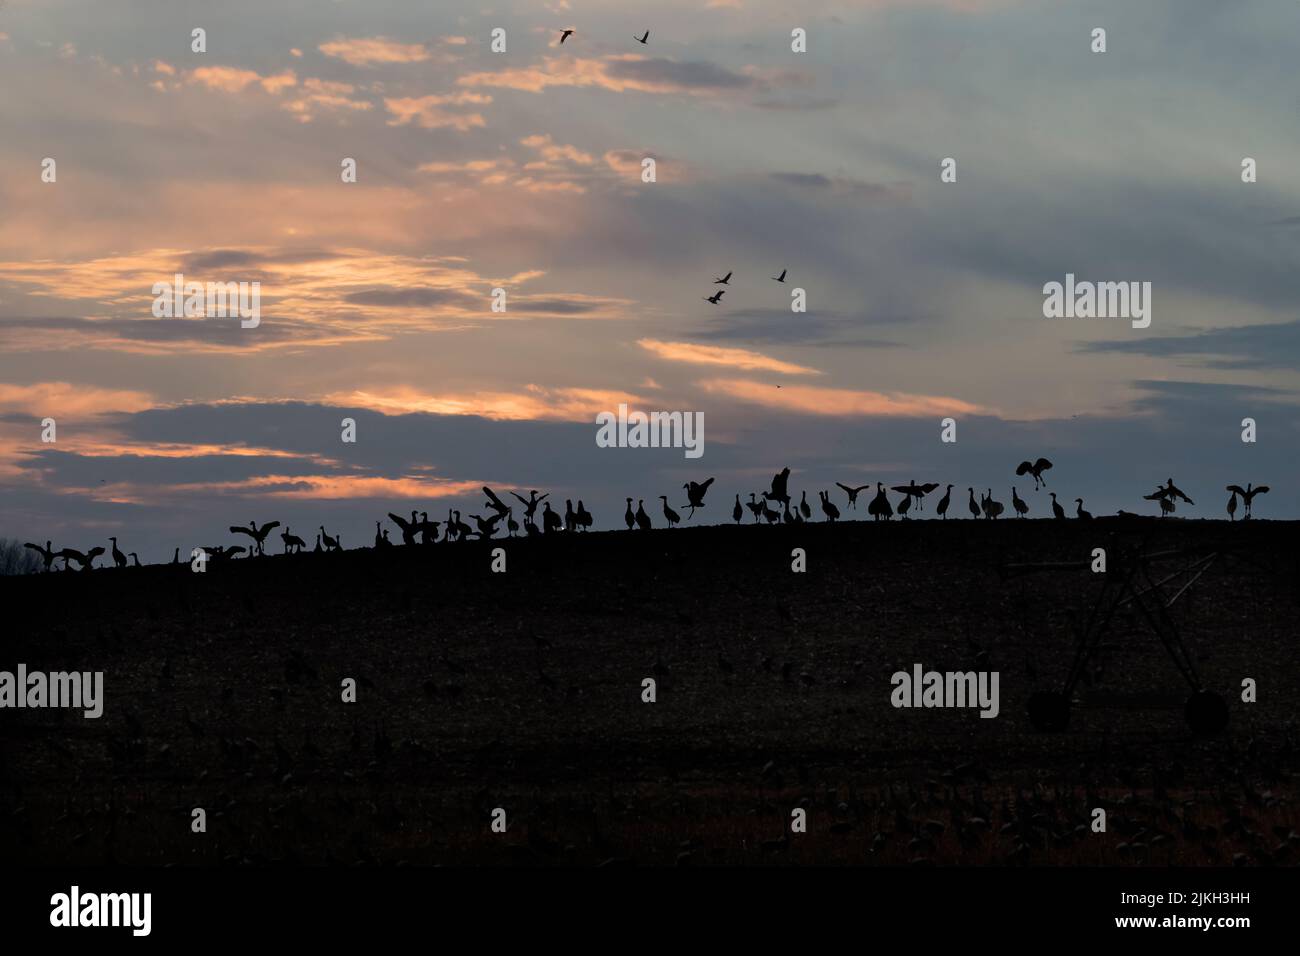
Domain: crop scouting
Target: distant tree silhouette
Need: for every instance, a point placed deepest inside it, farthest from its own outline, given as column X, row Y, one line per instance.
column 16, row 559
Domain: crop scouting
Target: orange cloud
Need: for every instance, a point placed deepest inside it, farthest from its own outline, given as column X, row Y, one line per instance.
column 229, row 79
column 616, row 73
column 743, row 359
column 373, row 50
column 320, row 95
column 428, row 112
column 533, row 404
column 839, row 402
column 65, row 401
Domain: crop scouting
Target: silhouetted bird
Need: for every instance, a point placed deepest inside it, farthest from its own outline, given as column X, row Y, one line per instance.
column 487, row 527
column 47, row 555
column 779, row 481
column 974, row 508
column 1035, row 468
column 643, row 38
column 671, row 516
column 1057, row 510
column 379, row 538
column 737, row 512
column 642, row 519
column 428, row 529
column 804, row 510
column 318, row 549
column 628, row 517
column 781, row 277
column 87, row 560
column 771, row 514
column 584, row 517
column 913, row 490
column 565, row 35
column 1247, row 494
column 786, row 516
column 1169, row 491
column 716, row 297
column 462, row 529
column 118, row 557
column 942, row 509
column 904, row 506
column 828, row 509
column 135, row 559
column 331, row 544
column 531, row 503
column 995, row 507
column 257, row 534
column 570, row 516
column 512, row 526
column 755, row 507
column 1080, row 513
column 695, row 495
column 725, row 280
column 880, row 508
column 408, row 528
column 1022, row 509
column 550, row 520
column 495, row 503
column 852, row 493
column 176, row 556
column 293, row 543
column 1232, row 503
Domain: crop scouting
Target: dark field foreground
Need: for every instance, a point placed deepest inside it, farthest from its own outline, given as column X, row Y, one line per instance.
column 522, row 690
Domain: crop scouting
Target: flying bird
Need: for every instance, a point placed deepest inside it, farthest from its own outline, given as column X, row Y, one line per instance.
column 716, row 297
column 695, row 495
column 1036, row 469
column 778, row 492
column 565, row 35
column 257, row 534
column 852, row 493
column 642, row 39
column 781, row 277
column 725, row 280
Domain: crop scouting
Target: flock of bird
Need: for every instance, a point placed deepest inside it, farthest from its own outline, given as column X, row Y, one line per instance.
column 773, row 506
column 726, row 280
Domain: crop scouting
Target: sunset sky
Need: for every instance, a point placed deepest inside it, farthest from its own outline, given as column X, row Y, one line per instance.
column 522, row 170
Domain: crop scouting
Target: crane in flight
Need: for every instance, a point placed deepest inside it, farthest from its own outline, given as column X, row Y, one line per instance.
column 1247, row 496
column 1035, row 468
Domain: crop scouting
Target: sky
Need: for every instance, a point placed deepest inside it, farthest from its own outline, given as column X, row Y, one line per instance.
column 522, row 171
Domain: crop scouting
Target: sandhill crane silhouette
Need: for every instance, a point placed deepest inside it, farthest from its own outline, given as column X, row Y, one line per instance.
column 942, row 509
column 770, row 514
column 725, row 280
column 737, row 512
column 1018, row 503
column 530, row 503
column 755, row 506
column 904, row 506
column 294, row 544
column 643, row 38
column 462, row 529
column 1035, row 468
column 974, row 508
column 671, row 516
column 1168, row 492
column 550, row 520
column 570, row 516
column 695, row 495
column 995, row 508
column 716, row 297
column 407, row 528
column 118, row 557
column 642, row 519
column 1247, row 496
column 565, row 35
column 781, row 277
column 428, row 529
column 913, row 490
column 331, row 544
column 257, row 534
column 512, row 526
column 786, row 516
column 852, row 493
column 584, row 517
column 628, row 517
column 46, row 553
column 828, row 508
column 1232, row 503
column 1080, row 513
column 779, row 482
column 1057, row 510
column 487, row 527
column 379, row 538
column 318, row 549
column 495, row 503
column 805, row 511
column 86, row 560
column 135, row 559
column 176, row 556
column 880, row 508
